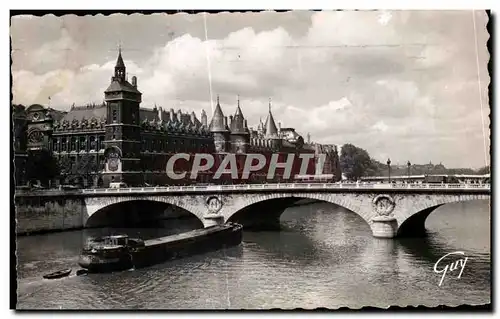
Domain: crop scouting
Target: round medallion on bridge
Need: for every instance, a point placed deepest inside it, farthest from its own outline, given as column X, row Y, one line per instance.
column 214, row 204
column 384, row 205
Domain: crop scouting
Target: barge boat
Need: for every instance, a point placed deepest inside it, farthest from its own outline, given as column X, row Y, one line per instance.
column 119, row 252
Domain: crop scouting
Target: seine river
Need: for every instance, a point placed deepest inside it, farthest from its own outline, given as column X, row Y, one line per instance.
column 323, row 257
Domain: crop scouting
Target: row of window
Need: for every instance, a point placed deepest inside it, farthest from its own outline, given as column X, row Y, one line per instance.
column 88, row 143
column 180, row 145
column 76, row 144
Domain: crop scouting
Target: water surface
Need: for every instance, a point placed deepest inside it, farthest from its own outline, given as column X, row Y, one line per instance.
column 323, row 257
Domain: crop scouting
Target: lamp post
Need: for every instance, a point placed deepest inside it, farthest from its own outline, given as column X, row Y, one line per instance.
column 409, row 166
column 389, row 167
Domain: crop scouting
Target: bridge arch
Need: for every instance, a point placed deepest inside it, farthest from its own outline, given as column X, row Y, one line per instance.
column 411, row 223
column 96, row 207
column 275, row 204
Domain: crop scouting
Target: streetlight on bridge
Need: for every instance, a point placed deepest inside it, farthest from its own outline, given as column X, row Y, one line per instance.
column 409, row 166
column 389, row 167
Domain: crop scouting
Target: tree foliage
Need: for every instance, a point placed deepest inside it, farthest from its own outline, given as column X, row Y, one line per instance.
column 484, row 170
column 355, row 162
column 65, row 166
column 87, row 165
column 41, row 166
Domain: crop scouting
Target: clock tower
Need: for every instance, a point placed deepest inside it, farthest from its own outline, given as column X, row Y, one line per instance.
column 122, row 130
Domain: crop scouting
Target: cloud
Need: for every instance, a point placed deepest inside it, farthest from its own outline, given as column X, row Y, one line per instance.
column 380, row 126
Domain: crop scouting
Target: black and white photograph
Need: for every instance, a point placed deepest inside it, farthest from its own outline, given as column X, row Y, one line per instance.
column 250, row 160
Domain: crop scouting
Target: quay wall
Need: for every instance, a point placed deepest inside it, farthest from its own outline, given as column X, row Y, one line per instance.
column 40, row 211
column 53, row 210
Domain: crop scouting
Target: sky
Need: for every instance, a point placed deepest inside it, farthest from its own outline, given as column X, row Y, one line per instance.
column 404, row 85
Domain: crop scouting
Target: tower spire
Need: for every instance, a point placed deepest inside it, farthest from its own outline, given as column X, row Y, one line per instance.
column 218, row 120
column 120, row 70
column 270, row 126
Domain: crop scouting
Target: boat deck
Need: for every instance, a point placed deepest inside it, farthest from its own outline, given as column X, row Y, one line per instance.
column 189, row 234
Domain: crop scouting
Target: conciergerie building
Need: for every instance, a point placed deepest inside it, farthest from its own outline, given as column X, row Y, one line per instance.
column 119, row 141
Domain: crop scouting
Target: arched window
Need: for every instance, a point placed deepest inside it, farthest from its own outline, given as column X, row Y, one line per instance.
column 83, row 143
column 55, row 145
column 93, row 144
column 64, row 145
column 101, row 142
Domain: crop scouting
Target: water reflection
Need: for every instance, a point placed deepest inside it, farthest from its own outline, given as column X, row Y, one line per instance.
column 323, row 257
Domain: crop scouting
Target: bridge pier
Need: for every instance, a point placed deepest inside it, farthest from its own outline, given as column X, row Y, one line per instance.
column 384, row 227
column 213, row 220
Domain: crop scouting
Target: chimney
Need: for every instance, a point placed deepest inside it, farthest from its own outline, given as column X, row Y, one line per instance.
column 160, row 114
column 203, row 118
column 172, row 114
column 134, row 81
column 279, row 126
column 193, row 117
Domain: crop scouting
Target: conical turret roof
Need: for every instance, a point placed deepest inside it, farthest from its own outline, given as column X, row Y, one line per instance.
column 119, row 60
column 217, row 124
column 238, row 122
column 270, row 127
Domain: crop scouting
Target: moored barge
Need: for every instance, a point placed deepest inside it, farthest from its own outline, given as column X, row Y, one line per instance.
column 114, row 253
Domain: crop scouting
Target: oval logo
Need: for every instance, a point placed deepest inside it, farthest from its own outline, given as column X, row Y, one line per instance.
column 214, row 204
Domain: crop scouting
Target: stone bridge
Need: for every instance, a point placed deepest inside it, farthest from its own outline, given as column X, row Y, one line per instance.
column 390, row 210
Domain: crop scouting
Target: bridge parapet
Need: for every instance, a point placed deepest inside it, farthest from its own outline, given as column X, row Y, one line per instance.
column 291, row 186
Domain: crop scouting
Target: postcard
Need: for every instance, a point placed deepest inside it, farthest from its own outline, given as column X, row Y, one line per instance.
column 251, row 160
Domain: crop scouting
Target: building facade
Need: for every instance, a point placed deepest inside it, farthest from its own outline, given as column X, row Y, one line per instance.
column 119, row 141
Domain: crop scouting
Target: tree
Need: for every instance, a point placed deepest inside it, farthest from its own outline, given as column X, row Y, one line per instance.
column 87, row 167
column 355, row 162
column 41, row 166
column 375, row 169
column 64, row 168
column 484, row 170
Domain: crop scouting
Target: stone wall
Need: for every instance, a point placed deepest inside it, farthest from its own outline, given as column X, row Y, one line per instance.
column 49, row 213
column 38, row 212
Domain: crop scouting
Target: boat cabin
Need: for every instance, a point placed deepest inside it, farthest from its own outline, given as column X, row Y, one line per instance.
column 116, row 240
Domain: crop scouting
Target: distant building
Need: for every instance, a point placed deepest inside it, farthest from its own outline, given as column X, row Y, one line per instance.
column 20, row 142
column 118, row 141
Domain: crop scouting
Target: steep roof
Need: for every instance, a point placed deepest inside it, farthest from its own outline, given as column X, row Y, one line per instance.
column 147, row 114
column 119, row 60
column 218, row 120
column 270, row 127
column 80, row 112
column 56, row 115
column 117, row 86
column 238, row 122
column 119, row 82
